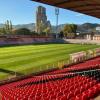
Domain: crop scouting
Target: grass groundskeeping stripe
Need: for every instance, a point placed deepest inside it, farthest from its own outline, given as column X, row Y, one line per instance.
column 33, row 58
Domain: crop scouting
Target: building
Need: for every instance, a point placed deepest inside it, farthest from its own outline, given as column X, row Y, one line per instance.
column 41, row 20
column 95, row 36
column 98, row 29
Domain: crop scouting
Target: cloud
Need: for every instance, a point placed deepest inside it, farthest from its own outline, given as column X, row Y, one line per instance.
column 78, row 15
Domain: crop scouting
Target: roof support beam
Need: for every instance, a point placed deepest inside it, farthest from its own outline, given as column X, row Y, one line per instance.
column 89, row 7
column 84, row 5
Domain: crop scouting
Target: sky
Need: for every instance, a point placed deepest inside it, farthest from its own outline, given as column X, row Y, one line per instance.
column 24, row 12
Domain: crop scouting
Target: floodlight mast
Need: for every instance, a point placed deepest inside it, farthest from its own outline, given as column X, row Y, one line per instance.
column 57, row 15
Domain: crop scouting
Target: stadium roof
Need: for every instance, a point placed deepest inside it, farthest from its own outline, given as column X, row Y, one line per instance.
column 89, row 7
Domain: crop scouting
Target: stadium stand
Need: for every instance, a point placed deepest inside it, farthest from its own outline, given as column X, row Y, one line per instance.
column 77, row 82
column 24, row 39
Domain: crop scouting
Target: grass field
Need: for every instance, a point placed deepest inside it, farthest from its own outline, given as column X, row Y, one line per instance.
column 33, row 58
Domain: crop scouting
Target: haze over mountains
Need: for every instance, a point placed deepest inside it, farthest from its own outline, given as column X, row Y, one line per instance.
column 30, row 26
column 86, row 27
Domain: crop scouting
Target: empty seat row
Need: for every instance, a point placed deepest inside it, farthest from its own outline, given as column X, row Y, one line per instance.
column 70, row 87
column 64, row 84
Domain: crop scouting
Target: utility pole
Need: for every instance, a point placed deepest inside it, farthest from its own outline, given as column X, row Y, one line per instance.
column 57, row 15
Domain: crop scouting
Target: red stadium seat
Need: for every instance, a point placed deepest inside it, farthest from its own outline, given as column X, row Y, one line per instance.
column 64, row 84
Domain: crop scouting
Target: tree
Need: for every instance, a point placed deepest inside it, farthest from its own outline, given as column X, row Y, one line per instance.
column 22, row 31
column 2, row 31
column 34, row 33
column 61, row 35
column 41, row 27
column 11, row 26
column 73, row 27
column 8, row 27
column 69, row 30
column 47, row 31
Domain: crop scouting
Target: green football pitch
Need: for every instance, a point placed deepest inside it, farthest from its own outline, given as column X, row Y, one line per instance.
column 33, row 58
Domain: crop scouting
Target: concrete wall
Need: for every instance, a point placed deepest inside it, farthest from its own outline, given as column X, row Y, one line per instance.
column 82, row 41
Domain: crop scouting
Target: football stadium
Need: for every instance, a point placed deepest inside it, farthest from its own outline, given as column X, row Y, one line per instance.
column 62, row 66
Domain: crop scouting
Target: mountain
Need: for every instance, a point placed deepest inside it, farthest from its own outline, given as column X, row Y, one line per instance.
column 86, row 27
column 1, row 25
column 60, row 27
column 30, row 26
